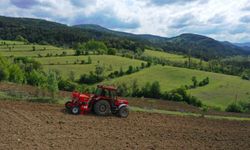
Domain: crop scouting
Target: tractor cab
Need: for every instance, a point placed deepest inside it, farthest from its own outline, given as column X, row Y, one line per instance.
column 106, row 92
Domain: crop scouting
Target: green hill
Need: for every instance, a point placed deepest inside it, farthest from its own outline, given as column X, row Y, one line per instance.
column 220, row 92
column 42, row 31
column 17, row 48
column 73, row 63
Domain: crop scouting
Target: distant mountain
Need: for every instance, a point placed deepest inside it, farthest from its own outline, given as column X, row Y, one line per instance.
column 245, row 46
column 206, row 47
column 151, row 38
column 42, row 31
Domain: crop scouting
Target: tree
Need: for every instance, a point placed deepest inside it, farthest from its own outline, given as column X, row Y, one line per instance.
column 71, row 76
column 89, row 60
column 16, row 74
column 52, row 83
column 36, row 78
column 130, row 70
column 155, row 90
column 135, row 88
column 195, row 82
column 21, row 39
column 33, row 48
column 4, row 72
column 111, row 51
column 121, row 73
column 99, row 70
column 142, row 65
column 98, row 46
column 145, row 91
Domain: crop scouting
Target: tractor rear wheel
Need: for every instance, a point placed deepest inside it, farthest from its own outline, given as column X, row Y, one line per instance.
column 75, row 110
column 102, row 108
column 123, row 112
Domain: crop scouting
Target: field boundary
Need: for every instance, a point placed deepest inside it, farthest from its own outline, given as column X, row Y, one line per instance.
column 177, row 113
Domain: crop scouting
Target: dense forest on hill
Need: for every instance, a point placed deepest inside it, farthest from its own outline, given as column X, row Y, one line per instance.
column 46, row 32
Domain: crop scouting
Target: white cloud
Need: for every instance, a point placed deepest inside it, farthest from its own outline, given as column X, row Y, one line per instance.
column 218, row 19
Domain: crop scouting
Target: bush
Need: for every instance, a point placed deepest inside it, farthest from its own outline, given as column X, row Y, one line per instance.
column 36, row 78
column 16, row 74
column 204, row 82
column 155, row 90
column 66, row 85
column 90, row 79
column 111, row 51
column 180, row 94
column 4, row 73
column 234, row 107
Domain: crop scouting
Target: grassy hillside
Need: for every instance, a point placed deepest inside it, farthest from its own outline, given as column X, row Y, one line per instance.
column 169, row 56
column 16, row 49
column 73, row 63
column 221, row 90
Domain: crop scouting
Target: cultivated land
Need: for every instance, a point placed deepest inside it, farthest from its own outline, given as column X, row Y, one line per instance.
column 220, row 92
column 42, row 126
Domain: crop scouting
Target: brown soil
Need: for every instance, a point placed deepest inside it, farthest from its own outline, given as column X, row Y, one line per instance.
column 42, row 126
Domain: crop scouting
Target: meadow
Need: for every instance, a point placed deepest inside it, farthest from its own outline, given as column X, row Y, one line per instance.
column 169, row 56
column 74, row 63
column 221, row 91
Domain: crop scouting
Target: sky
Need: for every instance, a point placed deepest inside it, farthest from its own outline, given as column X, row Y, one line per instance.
column 224, row 20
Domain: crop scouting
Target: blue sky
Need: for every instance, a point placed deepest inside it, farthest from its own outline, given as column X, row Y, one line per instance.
column 220, row 19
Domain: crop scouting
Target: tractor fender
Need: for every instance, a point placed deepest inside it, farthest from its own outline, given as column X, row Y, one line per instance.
column 122, row 105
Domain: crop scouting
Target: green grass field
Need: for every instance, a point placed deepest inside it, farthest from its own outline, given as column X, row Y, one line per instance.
column 2, row 42
column 67, row 64
column 17, row 49
column 221, row 90
column 169, row 56
column 37, row 53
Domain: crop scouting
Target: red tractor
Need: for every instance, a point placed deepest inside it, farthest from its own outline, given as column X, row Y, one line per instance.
column 103, row 102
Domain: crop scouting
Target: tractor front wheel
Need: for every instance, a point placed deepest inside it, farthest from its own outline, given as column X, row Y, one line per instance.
column 75, row 110
column 68, row 105
column 123, row 112
column 102, row 108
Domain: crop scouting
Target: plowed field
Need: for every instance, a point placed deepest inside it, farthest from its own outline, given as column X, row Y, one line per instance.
column 26, row 125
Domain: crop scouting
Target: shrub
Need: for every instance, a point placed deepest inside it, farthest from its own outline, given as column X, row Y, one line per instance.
column 155, row 90
column 180, row 94
column 130, row 70
column 234, row 107
column 111, row 51
column 4, row 73
column 16, row 74
column 66, row 85
column 36, row 78
column 195, row 82
column 52, row 83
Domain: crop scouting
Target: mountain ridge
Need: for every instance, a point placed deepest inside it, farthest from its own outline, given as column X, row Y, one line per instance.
column 43, row 31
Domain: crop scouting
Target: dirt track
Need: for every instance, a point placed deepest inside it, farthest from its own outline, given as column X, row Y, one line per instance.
column 42, row 126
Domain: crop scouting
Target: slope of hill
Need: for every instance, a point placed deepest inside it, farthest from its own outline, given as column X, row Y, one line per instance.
column 73, row 63
column 204, row 47
column 42, row 31
column 220, row 92
column 245, row 46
